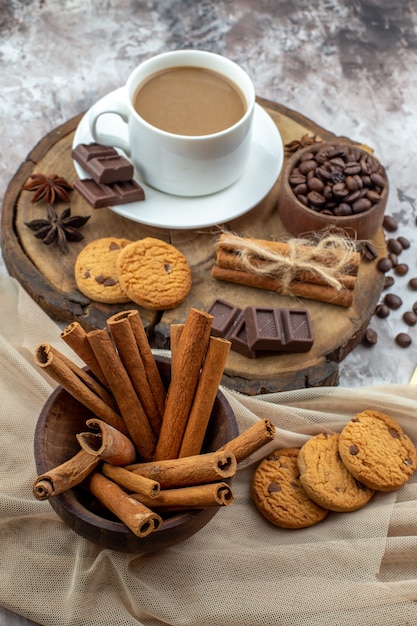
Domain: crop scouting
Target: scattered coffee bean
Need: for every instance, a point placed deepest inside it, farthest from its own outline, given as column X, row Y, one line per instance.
column 412, row 283
column 340, row 179
column 401, row 269
column 404, row 242
column 370, row 337
column 403, row 340
column 382, row 310
column 388, row 282
column 393, row 258
column 384, row 265
column 414, row 307
column 410, row 318
column 393, row 301
column 368, row 251
column 390, row 223
column 394, row 245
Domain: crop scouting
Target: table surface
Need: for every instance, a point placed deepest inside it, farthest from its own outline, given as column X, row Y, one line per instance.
column 349, row 66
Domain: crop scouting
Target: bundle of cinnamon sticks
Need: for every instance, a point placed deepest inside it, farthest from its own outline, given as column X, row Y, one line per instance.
column 326, row 273
column 141, row 454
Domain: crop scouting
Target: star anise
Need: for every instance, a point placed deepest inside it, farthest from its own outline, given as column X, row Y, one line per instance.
column 62, row 228
column 51, row 188
column 296, row 144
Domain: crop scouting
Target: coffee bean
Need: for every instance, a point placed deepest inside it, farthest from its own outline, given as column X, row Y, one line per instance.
column 384, row 265
column 393, row 258
column 315, row 184
column 393, row 245
column 393, row 301
column 412, row 283
column 415, row 307
column 403, row 340
column 382, row 311
column 404, row 242
column 367, row 250
column 361, row 205
column 410, row 318
column 390, row 224
column 306, row 166
column 316, row 198
column 401, row 269
column 370, row 337
column 388, row 282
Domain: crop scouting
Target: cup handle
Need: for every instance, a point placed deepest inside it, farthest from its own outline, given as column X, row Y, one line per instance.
column 103, row 108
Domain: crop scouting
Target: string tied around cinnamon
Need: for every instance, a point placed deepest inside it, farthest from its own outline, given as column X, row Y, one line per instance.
column 328, row 257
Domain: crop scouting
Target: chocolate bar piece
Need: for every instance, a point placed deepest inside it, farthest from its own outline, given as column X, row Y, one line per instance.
column 296, row 330
column 100, row 195
column 239, row 339
column 224, row 315
column 263, row 328
column 103, row 163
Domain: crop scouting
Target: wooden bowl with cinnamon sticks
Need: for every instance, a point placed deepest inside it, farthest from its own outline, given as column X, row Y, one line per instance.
column 63, row 417
column 333, row 186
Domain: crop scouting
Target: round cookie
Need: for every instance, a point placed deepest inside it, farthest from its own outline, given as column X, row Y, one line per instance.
column 95, row 270
column 375, row 449
column 154, row 274
column 278, row 494
column 326, row 479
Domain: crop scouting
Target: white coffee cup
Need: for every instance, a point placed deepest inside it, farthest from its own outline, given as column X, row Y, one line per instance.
column 181, row 164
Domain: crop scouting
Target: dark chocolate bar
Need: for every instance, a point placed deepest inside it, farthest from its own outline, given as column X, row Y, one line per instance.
column 100, row 195
column 224, row 315
column 296, row 330
column 103, row 163
column 263, row 328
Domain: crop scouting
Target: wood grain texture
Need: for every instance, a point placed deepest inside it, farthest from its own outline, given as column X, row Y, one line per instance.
column 48, row 276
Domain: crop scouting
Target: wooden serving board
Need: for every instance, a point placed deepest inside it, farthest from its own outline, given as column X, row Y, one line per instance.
column 48, row 275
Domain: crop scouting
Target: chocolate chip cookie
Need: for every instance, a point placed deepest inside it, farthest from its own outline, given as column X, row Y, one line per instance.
column 278, row 494
column 375, row 449
column 325, row 478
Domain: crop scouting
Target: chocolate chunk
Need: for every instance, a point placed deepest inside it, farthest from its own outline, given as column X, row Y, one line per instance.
column 239, row 339
column 224, row 315
column 273, row 488
column 103, row 163
column 394, row 433
column 263, row 328
column 296, row 330
column 99, row 195
column 353, row 450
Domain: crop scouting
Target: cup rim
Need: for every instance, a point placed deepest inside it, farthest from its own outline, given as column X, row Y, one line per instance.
column 131, row 88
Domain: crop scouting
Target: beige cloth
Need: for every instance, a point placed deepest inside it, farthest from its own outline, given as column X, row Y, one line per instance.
column 352, row 569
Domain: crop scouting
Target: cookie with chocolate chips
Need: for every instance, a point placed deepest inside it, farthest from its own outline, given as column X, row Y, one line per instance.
column 326, row 479
column 375, row 449
column 95, row 270
column 278, row 494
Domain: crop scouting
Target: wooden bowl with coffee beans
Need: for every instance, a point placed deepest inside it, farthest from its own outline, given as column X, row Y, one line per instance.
column 333, row 186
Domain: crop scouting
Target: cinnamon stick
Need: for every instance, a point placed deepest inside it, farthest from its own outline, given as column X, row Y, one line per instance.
column 250, row 440
column 152, row 372
column 77, row 383
column 125, row 341
column 108, row 444
column 135, row 515
column 75, row 337
column 176, row 331
column 207, row 388
column 194, row 497
column 227, row 259
column 321, row 293
column 192, row 470
column 130, row 481
column 325, row 256
column 134, row 416
column 64, row 476
column 188, row 362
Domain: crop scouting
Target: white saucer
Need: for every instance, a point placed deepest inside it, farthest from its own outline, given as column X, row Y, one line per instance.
column 179, row 212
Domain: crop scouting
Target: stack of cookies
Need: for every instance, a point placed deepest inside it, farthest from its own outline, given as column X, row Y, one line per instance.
column 298, row 487
column 149, row 272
